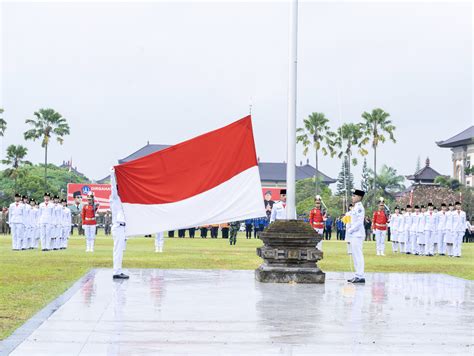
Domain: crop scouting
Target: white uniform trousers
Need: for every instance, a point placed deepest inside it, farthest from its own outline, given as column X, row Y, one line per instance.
column 27, row 237
column 458, row 235
column 380, row 240
column 36, row 237
column 118, row 234
column 89, row 232
column 394, row 239
column 319, row 245
column 65, row 235
column 402, row 236
column 45, row 236
column 414, row 242
column 358, row 256
column 408, row 243
column 17, row 232
column 159, row 241
column 442, row 242
column 430, row 241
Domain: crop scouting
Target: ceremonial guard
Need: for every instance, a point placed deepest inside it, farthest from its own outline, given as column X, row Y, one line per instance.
column 459, row 229
column 16, row 221
column 407, row 222
column 34, row 216
column 89, row 221
column 3, row 221
column 379, row 226
column 279, row 208
column 415, row 218
column 394, row 228
column 430, row 230
column 441, row 229
column 107, row 222
column 401, row 231
column 66, row 220
column 76, row 212
column 234, row 229
column 356, row 235
column 420, row 235
column 118, row 231
column 159, row 241
column 25, row 242
column 45, row 222
column 57, row 226
column 449, row 236
column 316, row 219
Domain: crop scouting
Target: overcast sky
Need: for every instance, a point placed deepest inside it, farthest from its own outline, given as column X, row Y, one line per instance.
column 125, row 73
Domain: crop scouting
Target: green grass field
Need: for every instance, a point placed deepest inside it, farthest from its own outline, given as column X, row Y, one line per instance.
column 31, row 279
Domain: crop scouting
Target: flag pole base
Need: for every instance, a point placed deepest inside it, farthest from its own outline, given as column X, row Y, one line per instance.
column 289, row 254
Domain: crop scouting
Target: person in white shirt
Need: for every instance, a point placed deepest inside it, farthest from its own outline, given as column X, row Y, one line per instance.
column 394, row 223
column 34, row 223
column 407, row 222
column 118, row 230
column 159, row 241
column 459, row 229
column 449, row 235
column 401, row 232
column 16, row 222
column 57, row 225
column 45, row 221
column 415, row 218
column 279, row 208
column 430, row 229
column 66, row 223
column 25, row 241
column 440, row 245
column 356, row 233
column 420, row 233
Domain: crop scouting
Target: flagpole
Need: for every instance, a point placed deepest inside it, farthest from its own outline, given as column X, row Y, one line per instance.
column 292, row 89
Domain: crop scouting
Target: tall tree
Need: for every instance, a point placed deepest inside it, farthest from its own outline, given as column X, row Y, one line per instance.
column 15, row 158
column 365, row 181
column 347, row 137
column 345, row 181
column 389, row 181
column 316, row 134
column 46, row 124
column 376, row 125
column 3, row 124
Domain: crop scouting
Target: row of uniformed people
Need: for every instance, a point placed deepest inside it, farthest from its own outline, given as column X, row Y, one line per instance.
column 48, row 223
column 430, row 231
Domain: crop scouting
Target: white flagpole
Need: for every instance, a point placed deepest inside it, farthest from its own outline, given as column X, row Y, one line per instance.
column 291, row 150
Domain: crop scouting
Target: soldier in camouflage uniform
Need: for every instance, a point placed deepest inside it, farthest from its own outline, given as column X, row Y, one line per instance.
column 107, row 222
column 76, row 210
column 234, row 229
column 3, row 221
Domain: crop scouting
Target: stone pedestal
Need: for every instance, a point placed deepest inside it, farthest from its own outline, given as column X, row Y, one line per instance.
column 289, row 254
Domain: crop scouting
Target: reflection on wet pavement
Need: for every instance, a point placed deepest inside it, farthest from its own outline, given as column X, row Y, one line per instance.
column 228, row 312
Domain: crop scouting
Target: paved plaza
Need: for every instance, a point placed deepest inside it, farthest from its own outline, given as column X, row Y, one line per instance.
column 227, row 312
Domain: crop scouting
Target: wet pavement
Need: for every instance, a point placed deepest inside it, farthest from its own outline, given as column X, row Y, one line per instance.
column 228, row 312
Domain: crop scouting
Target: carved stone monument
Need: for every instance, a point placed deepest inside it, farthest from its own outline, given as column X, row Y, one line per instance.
column 289, row 254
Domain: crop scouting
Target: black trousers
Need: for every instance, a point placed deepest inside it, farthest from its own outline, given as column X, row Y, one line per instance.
column 225, row 232
column 256, row 230
column 343, row 234
column 181, row 233
column 214, row 231
column 204, row 232
column 170, row 233
column 328, row 233
column 192, row 232
column 248, row 231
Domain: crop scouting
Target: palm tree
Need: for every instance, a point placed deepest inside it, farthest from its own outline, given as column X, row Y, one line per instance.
column 47, row 123
column 3, row 124
column 389, row 181
column 15, row 158
column 376, row 125
column 316, row 134
column 347, row 137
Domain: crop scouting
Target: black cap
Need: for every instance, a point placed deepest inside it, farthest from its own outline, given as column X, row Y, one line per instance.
column 17, row 195
column 63, row 201
column 47, row 195
column 443, row 204
column 408, row 206
column 417, row 207
column 402, row 209
column 435, row 208
column 430, row 204
column 450, row 204
column 76, row 194
column 457, row 203
column 33, row 201
column 422, row 206
column 24, row 197
column 397, row 207
column 351, row 205
column 283, row 191
column 358, row 192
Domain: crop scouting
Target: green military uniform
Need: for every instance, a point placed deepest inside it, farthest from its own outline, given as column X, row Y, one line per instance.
column 3, row 222
column 107, row 223
column 234, row 229
column 76, row 211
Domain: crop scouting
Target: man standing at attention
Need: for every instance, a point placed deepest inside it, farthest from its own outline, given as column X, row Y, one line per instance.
column 89, row 222
column 356, row 235
column 279, row 208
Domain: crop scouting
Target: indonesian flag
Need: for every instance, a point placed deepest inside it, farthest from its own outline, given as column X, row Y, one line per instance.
column 210, row 179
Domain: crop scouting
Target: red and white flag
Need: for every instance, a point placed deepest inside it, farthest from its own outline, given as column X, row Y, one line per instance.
column 210, row 179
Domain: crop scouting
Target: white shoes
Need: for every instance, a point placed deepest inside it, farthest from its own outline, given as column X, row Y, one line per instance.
column 382, row 254
column 378, row 253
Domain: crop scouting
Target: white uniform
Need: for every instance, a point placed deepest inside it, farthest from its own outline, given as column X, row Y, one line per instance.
column 16, row 221
column 420, row 236
column 401, row 233
column 278, row 211
column 118, row 228
column 430, row 231
column 65, row 226
column 35, row 230
column 407, row 221
column 45, row 224
column 57, row 226
column 415, row 218
column 26, row 241
column 159, row 241
column 356, row 234
column 394, row 230
column 440, row 246
column 449, row 235
column 459, row 229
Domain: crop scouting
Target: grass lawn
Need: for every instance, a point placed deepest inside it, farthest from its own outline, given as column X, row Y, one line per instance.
column 31, row 279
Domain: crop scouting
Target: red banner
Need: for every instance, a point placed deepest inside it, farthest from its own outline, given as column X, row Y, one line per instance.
column 101, row 193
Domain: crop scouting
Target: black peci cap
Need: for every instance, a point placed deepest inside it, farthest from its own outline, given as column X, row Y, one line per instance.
column 283, row 191
column 417, row 207
column 430, row 204
column 457, row 203
column 76, row 194
column 17, row 195
column 47, row 195
column 443, row 204
column 422, row 206
column 358, row 192
column 56, row 197
column 408, row 206
column 397, row 207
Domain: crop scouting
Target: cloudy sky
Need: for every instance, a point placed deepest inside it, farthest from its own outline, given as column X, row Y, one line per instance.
column 124, row 73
